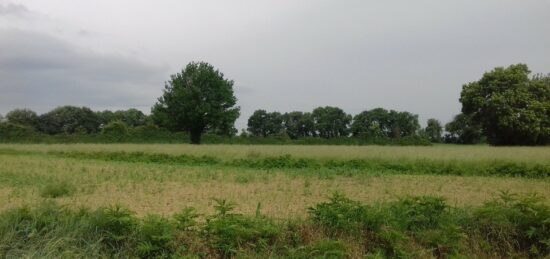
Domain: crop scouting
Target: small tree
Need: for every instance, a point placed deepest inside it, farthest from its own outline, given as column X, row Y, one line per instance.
column 434, row 130
column 195, row 100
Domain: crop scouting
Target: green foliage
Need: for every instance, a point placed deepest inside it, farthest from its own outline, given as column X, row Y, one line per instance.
column 195, row 100
column 299, row 124
column 57, row 189
column 228, row 232
column 116, row 130
column 156, row 236
column 511, row 107
column 67, row 119
column 22, row 117
column 116, row 225
column 15, row 132
column 511, row 222
column 509, row 226
column 186, row 219
column 381, row 123
column 331, row 122
column 320, row 249
column 434, row 130
column 463, row 130
column 264, row 124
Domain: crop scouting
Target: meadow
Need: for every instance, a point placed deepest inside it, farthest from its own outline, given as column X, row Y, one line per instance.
column 321, row 194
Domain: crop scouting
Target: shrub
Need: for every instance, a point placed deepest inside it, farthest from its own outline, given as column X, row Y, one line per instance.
column 228, row 232
column 57, row 189
column 116, row 225
column 10, row 132
column 511, row 222
column 115, row 130
column 156, row 236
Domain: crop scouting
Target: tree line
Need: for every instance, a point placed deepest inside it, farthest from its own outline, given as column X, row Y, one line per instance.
column 507, row 106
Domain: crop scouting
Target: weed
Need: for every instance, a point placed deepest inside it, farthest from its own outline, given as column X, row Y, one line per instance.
column 57, row 189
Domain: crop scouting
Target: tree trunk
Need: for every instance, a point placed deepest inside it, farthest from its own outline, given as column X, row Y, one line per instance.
column 196, row 137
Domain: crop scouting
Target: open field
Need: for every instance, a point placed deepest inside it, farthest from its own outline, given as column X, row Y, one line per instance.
column 164, row 179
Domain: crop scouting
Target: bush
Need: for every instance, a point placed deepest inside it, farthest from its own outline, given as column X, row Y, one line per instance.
column 57, row 189
column 228, row 232
column 116, row 130
column 156, row 236
column 116, row 225
column 10, row 132
column 515, row 223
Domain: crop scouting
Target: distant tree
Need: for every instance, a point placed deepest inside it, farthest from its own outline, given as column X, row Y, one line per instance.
column 434, row 130
column 132, row 117
column 331, row 122
column 403, row 124
column 511, row 107
column 380, row 122
column 22, row 117
column 105, row 117
column 1, row 118
column 373, row 124
column 298, row 124
column 69, row 119
column 264, row 124
column 462, row 130
column 196, row 100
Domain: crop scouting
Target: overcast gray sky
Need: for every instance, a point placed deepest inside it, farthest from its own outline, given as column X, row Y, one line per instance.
column 283, row 55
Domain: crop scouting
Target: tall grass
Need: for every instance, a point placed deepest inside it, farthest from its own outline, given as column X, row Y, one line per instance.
column 419, row 226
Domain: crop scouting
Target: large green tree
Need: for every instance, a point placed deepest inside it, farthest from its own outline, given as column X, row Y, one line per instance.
column 511, row 107
column 196, row 100
column 22, row 117
column 264, row 124
column 331, row 122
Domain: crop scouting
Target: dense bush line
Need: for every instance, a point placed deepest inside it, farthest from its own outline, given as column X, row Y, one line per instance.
column 411, row 227
column 350, row 166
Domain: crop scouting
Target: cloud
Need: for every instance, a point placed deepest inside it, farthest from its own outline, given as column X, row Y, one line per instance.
column 40, row 71
column 13, row 10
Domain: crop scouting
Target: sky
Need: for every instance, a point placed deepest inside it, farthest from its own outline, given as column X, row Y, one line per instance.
column 283, row 55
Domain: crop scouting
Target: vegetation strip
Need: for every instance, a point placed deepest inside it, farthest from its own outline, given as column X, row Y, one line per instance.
column 411, row 227
column 405, row 166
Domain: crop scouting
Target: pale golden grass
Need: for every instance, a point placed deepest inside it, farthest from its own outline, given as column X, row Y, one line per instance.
column 164, row 189
column 437, row 152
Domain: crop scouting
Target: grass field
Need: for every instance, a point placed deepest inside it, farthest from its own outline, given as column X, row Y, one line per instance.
column 97, row 176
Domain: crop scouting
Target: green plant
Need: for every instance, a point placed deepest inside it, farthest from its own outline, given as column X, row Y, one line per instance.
column 515, row 222
column 57, row 189
column 115, row 224
column 156, row 236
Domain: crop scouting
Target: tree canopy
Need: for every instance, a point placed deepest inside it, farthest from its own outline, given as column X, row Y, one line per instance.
column 380, row 122
column 195, row 100
column 331, row 122
column 69, row 119
column 264, row 124
column 511, row 107
column 22, row 117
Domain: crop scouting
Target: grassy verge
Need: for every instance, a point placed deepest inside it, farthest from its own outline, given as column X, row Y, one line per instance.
column 411, row 227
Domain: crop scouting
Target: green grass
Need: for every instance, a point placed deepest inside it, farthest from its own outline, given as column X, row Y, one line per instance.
column 273, row 201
